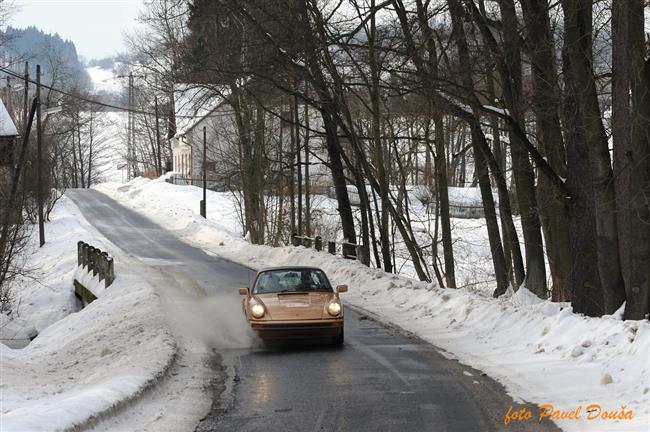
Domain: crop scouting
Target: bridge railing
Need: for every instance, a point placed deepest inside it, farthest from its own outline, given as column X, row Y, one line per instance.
column 97, row 262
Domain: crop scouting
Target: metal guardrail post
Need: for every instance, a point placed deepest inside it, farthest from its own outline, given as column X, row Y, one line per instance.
column 331, row 247
column 359, row 253
column 349, row 250
column 318, row 243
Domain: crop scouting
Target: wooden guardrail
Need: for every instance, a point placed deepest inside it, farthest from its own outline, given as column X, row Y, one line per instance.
column 97, row 263
column 348, row 250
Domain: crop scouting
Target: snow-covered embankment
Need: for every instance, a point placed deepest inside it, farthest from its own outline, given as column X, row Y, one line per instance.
column 82, row 365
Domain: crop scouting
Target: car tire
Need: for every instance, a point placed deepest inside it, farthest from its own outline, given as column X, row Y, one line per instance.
column 339, row 339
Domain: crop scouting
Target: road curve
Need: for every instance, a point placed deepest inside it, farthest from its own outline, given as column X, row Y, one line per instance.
column 381, row 380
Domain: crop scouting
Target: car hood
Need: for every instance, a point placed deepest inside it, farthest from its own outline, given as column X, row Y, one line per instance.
column 296, row 306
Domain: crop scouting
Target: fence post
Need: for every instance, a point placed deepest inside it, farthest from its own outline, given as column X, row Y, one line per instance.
column 84, row 255
column 103, row 267
column 348, row 249
column 110, row 272
column 358, row 250
column 89, row 259
column 318, row 243
column 80, row 253
column 331, row 247
column 95, row 254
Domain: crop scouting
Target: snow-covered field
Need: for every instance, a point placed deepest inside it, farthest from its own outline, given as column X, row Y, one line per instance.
column 83, row 363
column 105, row 80
column 540, row 351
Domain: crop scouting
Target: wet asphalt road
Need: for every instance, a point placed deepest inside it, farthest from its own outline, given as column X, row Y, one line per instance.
column 381, row 380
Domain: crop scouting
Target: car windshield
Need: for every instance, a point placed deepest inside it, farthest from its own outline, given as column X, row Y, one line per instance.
column 291, row 280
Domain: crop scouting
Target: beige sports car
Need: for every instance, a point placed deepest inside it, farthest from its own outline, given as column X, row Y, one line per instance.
column 294, row 303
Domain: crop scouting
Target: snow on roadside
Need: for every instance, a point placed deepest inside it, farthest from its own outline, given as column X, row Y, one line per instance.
column 540, row 351
column 86, row 363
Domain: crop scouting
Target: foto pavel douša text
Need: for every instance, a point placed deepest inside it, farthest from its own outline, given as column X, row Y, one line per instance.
column 591, row 412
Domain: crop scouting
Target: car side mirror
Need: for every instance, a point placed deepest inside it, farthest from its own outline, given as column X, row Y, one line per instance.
column 342, row 288
column 243, row 291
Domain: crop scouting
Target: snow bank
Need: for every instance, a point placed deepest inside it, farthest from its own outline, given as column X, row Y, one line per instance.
column 90, row 362
column 540, row 351
column 44, row 294
column 16, row 332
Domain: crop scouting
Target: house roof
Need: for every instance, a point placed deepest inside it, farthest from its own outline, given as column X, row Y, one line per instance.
column 193, row 103
column 7, row 126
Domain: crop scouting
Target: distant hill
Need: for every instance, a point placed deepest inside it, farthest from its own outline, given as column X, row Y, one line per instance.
column 58, row 57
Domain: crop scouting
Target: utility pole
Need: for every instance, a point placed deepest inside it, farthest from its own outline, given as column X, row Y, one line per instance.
column 26, row 97
column 128, row 134
column 203, row 204
column 39, row 159
column 26, row 118
column 158, row 139
column 8, row 98
column 130, row 143
column 133, row 149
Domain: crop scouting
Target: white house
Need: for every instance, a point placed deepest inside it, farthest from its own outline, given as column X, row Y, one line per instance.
column 195, row 108
column 8, row 153
column 198, row 108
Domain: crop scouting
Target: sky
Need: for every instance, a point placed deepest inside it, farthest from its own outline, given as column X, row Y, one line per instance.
column 95, row 26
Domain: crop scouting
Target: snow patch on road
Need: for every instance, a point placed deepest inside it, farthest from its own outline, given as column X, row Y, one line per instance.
column 540, row 351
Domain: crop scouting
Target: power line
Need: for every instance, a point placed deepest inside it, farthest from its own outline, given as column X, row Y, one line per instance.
column 79, row 97
column 92, row 101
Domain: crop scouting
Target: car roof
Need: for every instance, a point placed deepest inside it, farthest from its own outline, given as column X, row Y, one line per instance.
column 289, row 268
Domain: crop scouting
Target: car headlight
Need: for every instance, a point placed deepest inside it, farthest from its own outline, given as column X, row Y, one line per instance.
column 334, row 308
column 257, row 310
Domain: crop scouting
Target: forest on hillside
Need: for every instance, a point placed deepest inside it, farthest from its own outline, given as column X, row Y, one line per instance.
column 58, row 57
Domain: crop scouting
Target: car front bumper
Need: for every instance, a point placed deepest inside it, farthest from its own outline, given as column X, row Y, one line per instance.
column 297, row 329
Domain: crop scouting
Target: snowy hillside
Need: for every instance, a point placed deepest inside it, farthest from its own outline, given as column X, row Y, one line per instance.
column 105, row 80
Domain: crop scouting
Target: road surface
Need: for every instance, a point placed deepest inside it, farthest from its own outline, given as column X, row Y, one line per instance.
column 381, row 380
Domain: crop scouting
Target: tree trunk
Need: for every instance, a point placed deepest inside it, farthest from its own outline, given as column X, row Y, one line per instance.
column 328, row 110
column 478, row 138
column 440, row 162
column 552, row 209
column 631, row 138
column 440, row 157
column 380, row 163
column 292, row 176
column 338, row 175
column 364, row 204
column 307, row 185
column 581, row 82
column 90, row 149
column 82, row 173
